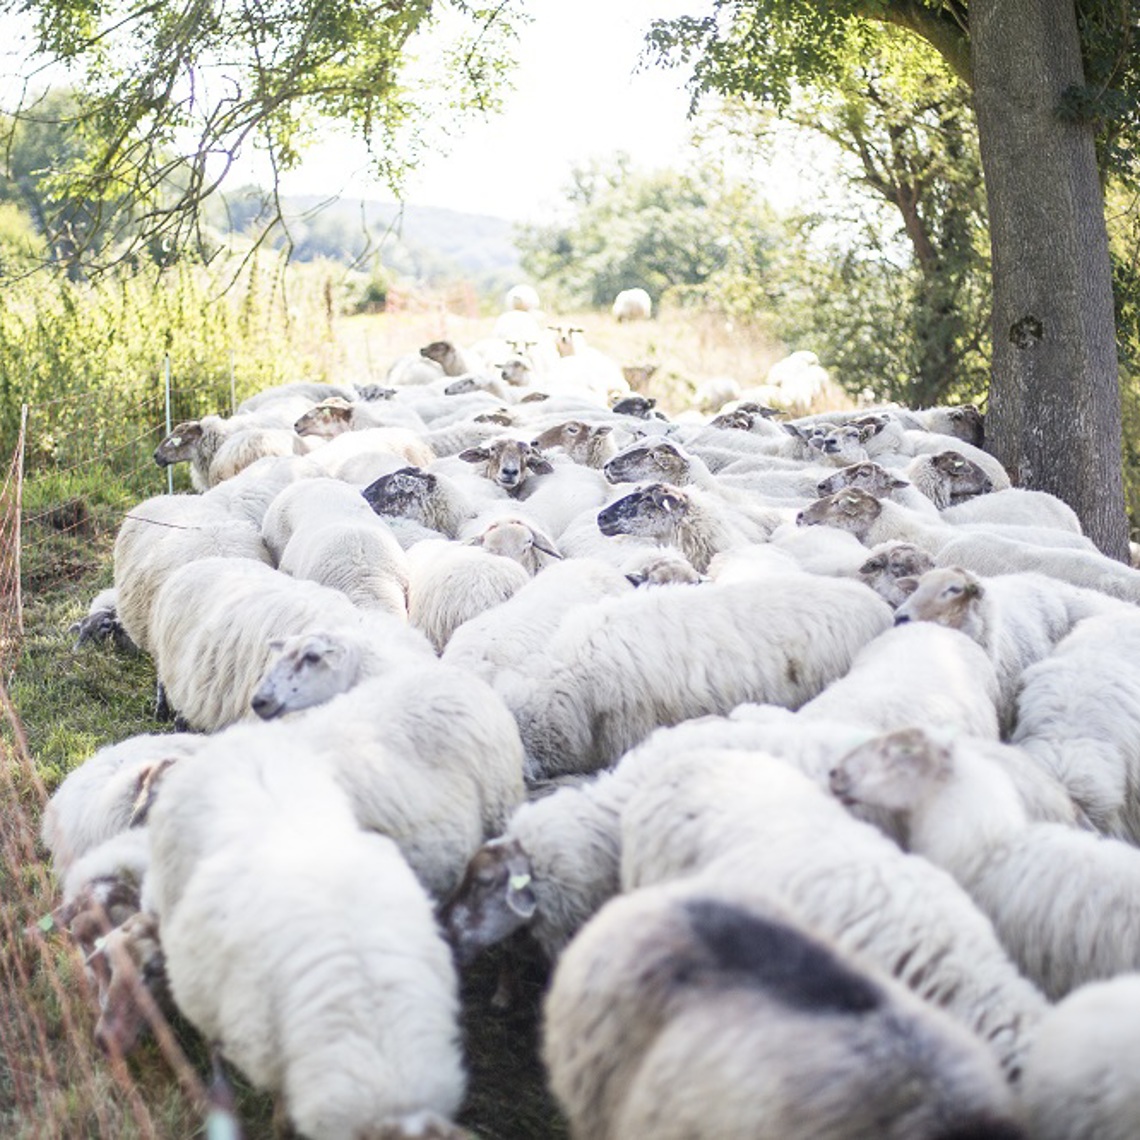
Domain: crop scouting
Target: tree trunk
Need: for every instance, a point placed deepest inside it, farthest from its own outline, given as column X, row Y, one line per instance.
column 1054, row 408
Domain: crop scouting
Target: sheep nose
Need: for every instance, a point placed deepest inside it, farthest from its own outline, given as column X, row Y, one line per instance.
column 902, row 619
column 800, row 519
column 264, row 706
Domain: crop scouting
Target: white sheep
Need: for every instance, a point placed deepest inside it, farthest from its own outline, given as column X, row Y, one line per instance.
column 308, row 503
column 799, row 378
column 1078, row 716
column 755, row 821
column 656, row 657
column 522, row 296
column 218, row 449
column 878, row 481
column 515, row 537
column 632, row 305
column 1016, row 618
column 508, row 463
column 214, row 621
column 915, row 674
column 307, row 390
column 308, row 953
column 888, row 564
column 691, row 1010
column 948, row 478
column 1064, row 902
column 589, row 444
column 98, row 798
column 449, row 583
column 159, row 536
column 433, row 500
column 1015, row 506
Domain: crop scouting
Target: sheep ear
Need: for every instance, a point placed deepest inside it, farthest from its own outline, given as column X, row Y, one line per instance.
column 605, row 429
column 907, row 585
column 635, row 579
column 538, row 464
column 793, row 431
column 973, row 589
column 276, row 645
column 896, row 482
column 520, row 897
column 474, row 455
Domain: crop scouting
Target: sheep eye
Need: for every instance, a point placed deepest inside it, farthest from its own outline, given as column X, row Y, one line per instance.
column 311, row 657
column 572, row 429
column 953, row 590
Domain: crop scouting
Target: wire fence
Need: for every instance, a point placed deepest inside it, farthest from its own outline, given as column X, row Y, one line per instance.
column 57, row 525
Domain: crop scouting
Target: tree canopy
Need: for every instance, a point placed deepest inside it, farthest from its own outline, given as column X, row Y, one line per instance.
column 173, row 94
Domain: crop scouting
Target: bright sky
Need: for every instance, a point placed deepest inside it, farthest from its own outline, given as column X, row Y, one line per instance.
column 575, row 97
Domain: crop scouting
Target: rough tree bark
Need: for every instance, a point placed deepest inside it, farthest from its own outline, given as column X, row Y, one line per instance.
column 1054, row 409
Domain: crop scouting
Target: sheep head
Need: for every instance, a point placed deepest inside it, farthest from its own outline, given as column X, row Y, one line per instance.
column 130, row 969
column 736, row 420
column 655, row 511
column 97, row 908
column 402, row 494
column 577, row 439
column 867, row 475
column 494, row 899
column 884, row 571
column 894, row 771
column 508, row 462
column 443, row 352
column 500, row 416
column 463, row 386
column 327, row 419
column 962, row 478
column 967, row 423
column 181, row 445
column 851, row 509
column 100, row 626
column 665, row 569
column 845, row 444
column 948, row 596
column 663, row 461
column 310, row 668
column 517, row 371
column 641, row 407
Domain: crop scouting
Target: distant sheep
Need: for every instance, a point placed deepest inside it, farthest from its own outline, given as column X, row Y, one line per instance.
column 524, row 297
column 686, row 1010
column 632, row 305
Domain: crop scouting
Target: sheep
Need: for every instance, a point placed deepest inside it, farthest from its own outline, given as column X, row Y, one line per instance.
column 1003, row 553
column 798, row 377
column 632, row 305
column 1016, row 507
column 307, row 503
column 432, row 500
column 588, row 444
column 362, row 560
column 1016, row 618
column 755, row 822
column 640, row 407
column 661, row 568
column 451, row 358
column 101, row 623
column 97, row 799
column 947, row 478
column 918, row 443
column 915, row 674
column 608, row 683
column 214, row 621
column 1063, row 901
column 163, row 534
column 308, row 953
column 891, row 562
column 449, row 583
column 522, row 296
column 695, row 523
column 509, row 537
column 554, row 865
column 307, row 390
column 217, row 449
column 687, row 1010
column 1078, row 716
column 873, row 521
column 507, row 635
column 878, row 481
column 412, row 370
column 508, row 463
column 1080, row 1075
column 248, row 494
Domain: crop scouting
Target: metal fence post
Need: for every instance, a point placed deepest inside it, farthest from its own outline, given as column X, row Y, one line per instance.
column 20, row 452
column 233, row 386
column 169, row 425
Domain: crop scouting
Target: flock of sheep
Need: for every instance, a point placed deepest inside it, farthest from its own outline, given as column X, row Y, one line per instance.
column 807, row 750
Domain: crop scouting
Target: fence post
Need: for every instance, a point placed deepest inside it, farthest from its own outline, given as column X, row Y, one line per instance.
column 19, row 517
column 233, row 386
column 169, row 425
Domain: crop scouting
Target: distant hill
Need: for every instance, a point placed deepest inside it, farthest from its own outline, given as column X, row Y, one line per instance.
column 427, row 244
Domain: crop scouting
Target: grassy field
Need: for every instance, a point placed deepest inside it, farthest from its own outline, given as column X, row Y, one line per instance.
column 53, row 1082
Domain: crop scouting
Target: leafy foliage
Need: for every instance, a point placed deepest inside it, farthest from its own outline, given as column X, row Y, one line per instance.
column 699, row 237
column 172, row 94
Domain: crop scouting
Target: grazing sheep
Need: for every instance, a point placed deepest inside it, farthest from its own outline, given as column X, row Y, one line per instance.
column 756, row 823
column 214, row 622
column 101, row 623
column 163, row 534
column 508, row 463
column 891, row 562
column 218, row 449
column 1078, row 716
column 609, row 680
column 1016, row 618
column 98, row 798
column 695, row 523
column 947, row 478
column 433, row 501
column 687, row 1010
column 449, row 584
column 915, row 674
column 1064, row 902
column 632, row 305
column 588, row 444
column 308, row 953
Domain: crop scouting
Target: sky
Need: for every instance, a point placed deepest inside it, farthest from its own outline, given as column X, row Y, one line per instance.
column 576, row 96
